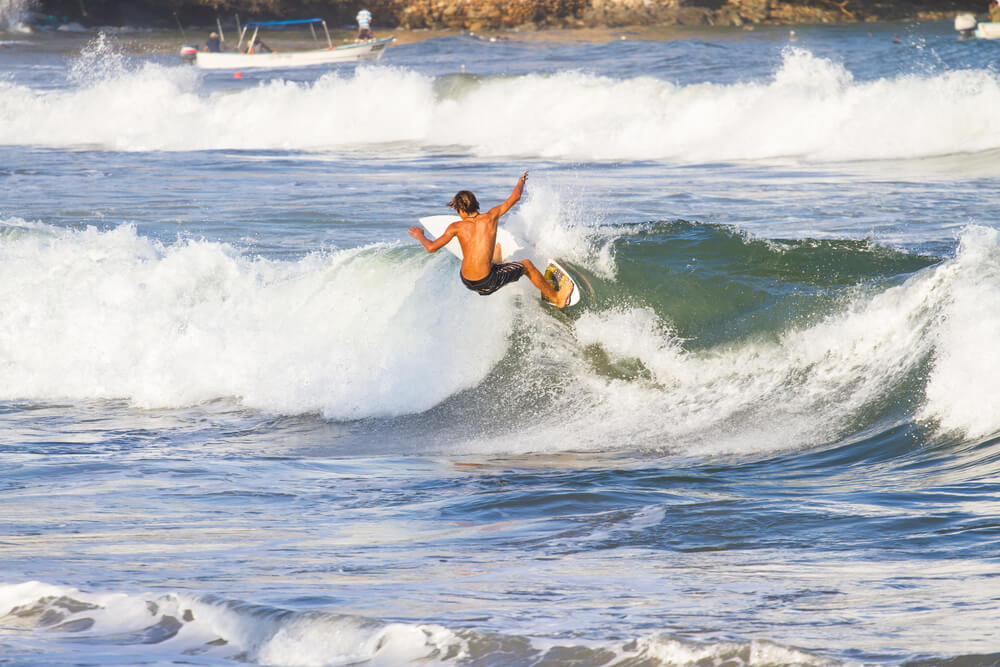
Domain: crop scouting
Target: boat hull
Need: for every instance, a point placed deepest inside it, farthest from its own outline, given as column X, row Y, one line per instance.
column 372, row 50
column 988, row 30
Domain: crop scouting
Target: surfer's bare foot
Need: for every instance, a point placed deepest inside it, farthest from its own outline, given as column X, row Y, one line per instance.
column 563, row 295
column 550, row 289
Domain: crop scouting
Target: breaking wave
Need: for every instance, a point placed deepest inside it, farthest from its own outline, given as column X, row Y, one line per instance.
column 384, row 331
column 811, row 109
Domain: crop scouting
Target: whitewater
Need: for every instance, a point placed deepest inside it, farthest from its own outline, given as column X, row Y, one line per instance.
column 810, row 108
column 245, row 419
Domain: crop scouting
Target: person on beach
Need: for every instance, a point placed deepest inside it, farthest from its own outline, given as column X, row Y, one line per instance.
column 482, row 270
column 364, row 19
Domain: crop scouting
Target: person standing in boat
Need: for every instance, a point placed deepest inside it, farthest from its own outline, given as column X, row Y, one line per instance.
column 364, row 18
column 995, row 11
column 258, row 46
column 213, row 45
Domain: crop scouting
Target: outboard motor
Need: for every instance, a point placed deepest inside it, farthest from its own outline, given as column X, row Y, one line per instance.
column 189, row 53
column 965, row 24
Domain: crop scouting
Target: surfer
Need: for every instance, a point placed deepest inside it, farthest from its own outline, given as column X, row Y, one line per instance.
column 482, row 270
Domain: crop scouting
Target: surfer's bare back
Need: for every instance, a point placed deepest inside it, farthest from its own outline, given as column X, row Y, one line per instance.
column 482, row 269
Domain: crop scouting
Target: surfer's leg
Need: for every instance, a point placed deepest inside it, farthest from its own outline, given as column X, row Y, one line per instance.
column 560, row 298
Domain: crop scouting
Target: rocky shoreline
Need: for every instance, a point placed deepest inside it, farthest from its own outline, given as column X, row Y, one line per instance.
column 485, row 15
column 501, row 14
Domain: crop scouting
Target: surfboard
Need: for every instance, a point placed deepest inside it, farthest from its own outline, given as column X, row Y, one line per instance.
column 554, row 272
column 436, row 224
column 558, row 277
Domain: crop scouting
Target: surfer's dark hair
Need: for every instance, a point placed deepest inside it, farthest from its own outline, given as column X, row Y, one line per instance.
column 465, row 201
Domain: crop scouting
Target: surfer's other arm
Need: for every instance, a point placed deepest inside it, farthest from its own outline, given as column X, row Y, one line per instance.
column 438, row 243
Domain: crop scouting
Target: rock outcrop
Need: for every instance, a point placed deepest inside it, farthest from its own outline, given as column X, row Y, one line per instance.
column 477, row 14
column 481, row 15
column 501, row 14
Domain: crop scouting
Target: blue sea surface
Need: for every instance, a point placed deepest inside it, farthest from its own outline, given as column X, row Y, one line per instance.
column 246, row 419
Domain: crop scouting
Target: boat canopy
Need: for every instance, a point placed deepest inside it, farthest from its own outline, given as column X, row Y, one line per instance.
column 271, row 24
column 254, row 27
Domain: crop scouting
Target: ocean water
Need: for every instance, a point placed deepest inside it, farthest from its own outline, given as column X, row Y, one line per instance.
column 246, row 420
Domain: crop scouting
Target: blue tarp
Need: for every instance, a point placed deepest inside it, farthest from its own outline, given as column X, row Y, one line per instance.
column 270, row 24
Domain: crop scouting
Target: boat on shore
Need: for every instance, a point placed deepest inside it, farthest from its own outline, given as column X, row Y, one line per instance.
column 252, row 52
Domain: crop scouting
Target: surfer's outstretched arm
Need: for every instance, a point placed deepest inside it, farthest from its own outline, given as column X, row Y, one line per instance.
column 436, row 244
column 512, row 199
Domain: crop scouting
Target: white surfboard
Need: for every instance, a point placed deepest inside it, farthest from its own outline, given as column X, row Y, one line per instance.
column 436, row 224
column 509, row 246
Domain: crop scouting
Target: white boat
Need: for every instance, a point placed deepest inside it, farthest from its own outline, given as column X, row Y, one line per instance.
column 251, row 52
column 988, row 30
column 968, row 27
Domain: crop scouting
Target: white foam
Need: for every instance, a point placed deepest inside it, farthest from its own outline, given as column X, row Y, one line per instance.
column 16, row 595
column 812, row 109
column 379, row 331
column 812, row 383
column 963, row 388
column 213, row 631
column 317, row 641
column 671, row 651
column 224, row 630
column 349, row 334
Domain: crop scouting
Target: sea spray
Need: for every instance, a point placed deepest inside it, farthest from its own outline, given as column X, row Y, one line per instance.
column 561, row 222
column 102, row 59
column 12, row 13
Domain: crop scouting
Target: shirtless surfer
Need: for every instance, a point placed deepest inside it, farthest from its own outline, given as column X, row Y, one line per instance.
column 482, row 270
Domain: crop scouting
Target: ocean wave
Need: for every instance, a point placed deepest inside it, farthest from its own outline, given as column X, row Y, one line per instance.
column 716, row 341
column 109, row 314
column 214, row 631
column 963, row 384
column 722, row 343
column 810, row 109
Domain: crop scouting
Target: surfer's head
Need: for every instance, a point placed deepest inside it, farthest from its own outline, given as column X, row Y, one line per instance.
column 464, row 202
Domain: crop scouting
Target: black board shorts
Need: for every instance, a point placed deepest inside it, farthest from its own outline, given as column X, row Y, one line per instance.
column 499, row 275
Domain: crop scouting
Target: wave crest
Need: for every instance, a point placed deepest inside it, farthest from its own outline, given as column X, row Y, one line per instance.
column 812, row 109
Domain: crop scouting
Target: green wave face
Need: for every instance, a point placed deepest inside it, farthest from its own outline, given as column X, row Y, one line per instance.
column 716, row 284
